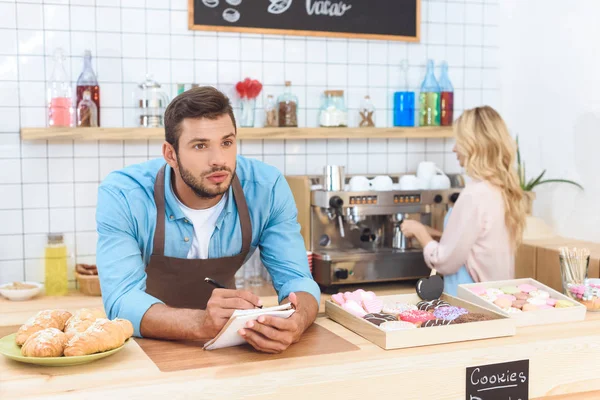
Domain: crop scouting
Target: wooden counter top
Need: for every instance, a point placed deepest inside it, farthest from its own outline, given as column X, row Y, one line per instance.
column 564, row 358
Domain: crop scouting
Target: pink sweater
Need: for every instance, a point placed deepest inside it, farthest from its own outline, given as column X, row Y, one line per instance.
column 475, row 236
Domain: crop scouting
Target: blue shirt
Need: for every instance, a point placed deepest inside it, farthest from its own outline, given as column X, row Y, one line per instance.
column 126, row 219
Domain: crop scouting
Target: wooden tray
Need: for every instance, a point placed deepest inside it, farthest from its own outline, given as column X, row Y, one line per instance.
column 497, row 327
column 529, row 318
column 176, row 356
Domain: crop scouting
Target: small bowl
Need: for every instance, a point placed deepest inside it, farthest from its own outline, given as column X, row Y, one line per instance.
column 20, row 294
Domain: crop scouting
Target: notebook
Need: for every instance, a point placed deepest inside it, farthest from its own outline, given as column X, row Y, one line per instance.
column 229, row 336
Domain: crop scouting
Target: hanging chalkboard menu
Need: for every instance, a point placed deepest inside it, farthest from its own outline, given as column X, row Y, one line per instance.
column 368, row 19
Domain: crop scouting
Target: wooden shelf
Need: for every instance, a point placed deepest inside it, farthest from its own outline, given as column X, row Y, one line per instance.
column 243, row 133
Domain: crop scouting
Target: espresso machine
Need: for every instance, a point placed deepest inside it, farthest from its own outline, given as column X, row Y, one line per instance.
column 356, row 237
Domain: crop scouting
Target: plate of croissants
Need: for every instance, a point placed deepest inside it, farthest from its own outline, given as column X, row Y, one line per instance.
column 59, row 338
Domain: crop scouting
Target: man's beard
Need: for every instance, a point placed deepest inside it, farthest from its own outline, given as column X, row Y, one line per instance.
column 201, row 190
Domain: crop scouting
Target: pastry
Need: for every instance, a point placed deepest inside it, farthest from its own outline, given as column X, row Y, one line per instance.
column 538, row 301
column 489, row 297
column 530, row 307
column 478, row 290
column 522, row 296
column 540, row 293
column 355, row 296
column 81, row 320
column 494, row 292
column 527, row 288
column 49, row 342
column 506, row 296
column 42, row 320
column 519, row 303
column 372, row 305
column 416, row 317
column 102, row 335
column 378, row 318
column 449, row 313
column 471, row 317
column 551, row 302
column 397, row 326
column 354, row 308
column 366, row 295
column 398, row 308
column 338, row 299
column 436, row 322
column 503, row 303
column 563, row 304
column 510, row 290
column 431, row 304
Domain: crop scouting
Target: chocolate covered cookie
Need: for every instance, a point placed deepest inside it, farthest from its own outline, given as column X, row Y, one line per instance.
column 432, row 305
column 378, row 318
column 471, row 317
column 436, row 322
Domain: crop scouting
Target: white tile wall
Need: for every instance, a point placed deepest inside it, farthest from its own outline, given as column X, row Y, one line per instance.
column 52, row 186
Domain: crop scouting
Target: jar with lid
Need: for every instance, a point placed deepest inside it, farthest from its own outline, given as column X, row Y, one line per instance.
column 152, row 102
column 287, row 104
column 367, row 113
column 333, row 110
column 271, row 113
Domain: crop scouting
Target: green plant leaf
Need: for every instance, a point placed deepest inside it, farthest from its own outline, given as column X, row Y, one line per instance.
column 534, row 182
column 561, row 181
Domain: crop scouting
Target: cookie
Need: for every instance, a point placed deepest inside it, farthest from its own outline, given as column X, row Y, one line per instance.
column 530, row 307
column 416, row 317
column 503, row 303
column 398, row 308
column 478, row 290
column 430, row 288
column 338, row 299
column 513, row 310
column 449, row 313
column 436, row 322
column 373, row 305
column 489, row 297
column 431, row 304
column 354, row 308
column 545, row 307
column 510, row 290
column 397, row 326
column 538, row 301
column 521, row 296
column 551, row 302
column 471, row 317
column 563, row 304
column 378, row 318
column 494, row 292
column 527, row 288
column 540, row 293
column 519, row 303
column 506, row 296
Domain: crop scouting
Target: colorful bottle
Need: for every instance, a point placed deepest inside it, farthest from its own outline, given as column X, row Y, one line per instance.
column 429, row 99
column 59, row 95
column 447, row 97
column 404, row 102
column 87, row 81
column 56, row 281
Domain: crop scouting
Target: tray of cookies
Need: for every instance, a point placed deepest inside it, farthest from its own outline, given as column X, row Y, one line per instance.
column 525, row 300
column 406, row 320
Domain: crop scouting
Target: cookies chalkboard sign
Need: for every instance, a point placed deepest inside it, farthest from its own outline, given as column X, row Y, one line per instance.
column 505, row 381
column 368, row 19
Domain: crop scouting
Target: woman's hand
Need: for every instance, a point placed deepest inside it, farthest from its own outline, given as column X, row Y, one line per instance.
column 411, row 228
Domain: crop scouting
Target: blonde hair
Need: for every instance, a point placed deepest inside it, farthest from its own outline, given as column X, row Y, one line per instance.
column 490, row 152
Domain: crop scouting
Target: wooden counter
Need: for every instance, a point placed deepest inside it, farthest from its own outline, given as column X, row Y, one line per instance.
column 564, row 358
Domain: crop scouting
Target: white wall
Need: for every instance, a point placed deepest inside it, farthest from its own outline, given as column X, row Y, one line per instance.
column 52, row 186
column 550, row 80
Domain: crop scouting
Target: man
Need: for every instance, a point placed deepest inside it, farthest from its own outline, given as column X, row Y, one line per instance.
column 163, row 228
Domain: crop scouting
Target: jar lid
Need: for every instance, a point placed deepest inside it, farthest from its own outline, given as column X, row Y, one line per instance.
column 337, row 93
column 55, row 238
column 149, row 83
column 288, row 83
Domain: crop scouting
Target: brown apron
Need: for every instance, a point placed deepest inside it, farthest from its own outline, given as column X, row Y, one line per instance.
column 179, row 282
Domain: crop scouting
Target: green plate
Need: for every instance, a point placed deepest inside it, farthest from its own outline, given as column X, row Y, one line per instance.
column 9, row 348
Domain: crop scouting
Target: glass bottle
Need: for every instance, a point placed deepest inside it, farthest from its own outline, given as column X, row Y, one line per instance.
column 87, row 81
column 447, row 96
column 429, row 99
column 59, row 94
column 56, row 281
column 404, row 101
column 367, row 113
column 333, row 111
column 87, row 112
column 271, row 113
column 288, row 107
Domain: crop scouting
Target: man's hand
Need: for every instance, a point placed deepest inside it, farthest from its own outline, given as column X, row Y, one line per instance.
column 221, row 305
column 273, row 334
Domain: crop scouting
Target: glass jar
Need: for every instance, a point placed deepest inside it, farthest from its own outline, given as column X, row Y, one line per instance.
column 59, row 94
column 333, row 110
column 152, row 102
column 366, row 113
column 271, row 113
column 287, row 104
column 87, row 82
column 55, row 266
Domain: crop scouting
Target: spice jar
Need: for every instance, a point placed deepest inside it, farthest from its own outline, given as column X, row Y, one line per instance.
column 333, row 110
column 271, row 113
column 367, row 113
column 288, row 107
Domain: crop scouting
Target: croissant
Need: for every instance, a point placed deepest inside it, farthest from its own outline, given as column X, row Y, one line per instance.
column 48, row 342
column 102, row 335
column 81, row 320
column 42, row 320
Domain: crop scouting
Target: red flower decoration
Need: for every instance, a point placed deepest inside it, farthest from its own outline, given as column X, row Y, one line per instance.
column 248, row 88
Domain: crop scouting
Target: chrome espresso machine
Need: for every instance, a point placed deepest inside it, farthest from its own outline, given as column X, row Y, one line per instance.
column 356, row 238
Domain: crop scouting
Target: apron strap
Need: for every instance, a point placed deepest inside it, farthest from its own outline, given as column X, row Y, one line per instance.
column 244, row 214
column 159, row 200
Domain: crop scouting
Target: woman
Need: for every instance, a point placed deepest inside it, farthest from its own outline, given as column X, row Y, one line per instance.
column 486, row 225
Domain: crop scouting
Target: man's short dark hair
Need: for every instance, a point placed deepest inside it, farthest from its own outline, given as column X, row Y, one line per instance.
column 200, row 102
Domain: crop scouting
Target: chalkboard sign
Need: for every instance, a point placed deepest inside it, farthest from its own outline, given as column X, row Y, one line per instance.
column 368, row 19
column 506, row 381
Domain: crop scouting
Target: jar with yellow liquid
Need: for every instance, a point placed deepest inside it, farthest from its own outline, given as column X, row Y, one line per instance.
column 56, row 266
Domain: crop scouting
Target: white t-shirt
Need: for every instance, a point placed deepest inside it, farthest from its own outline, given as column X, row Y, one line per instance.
column 204, row 222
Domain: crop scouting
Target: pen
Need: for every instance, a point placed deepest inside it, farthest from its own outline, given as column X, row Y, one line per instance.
column 216, row 284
